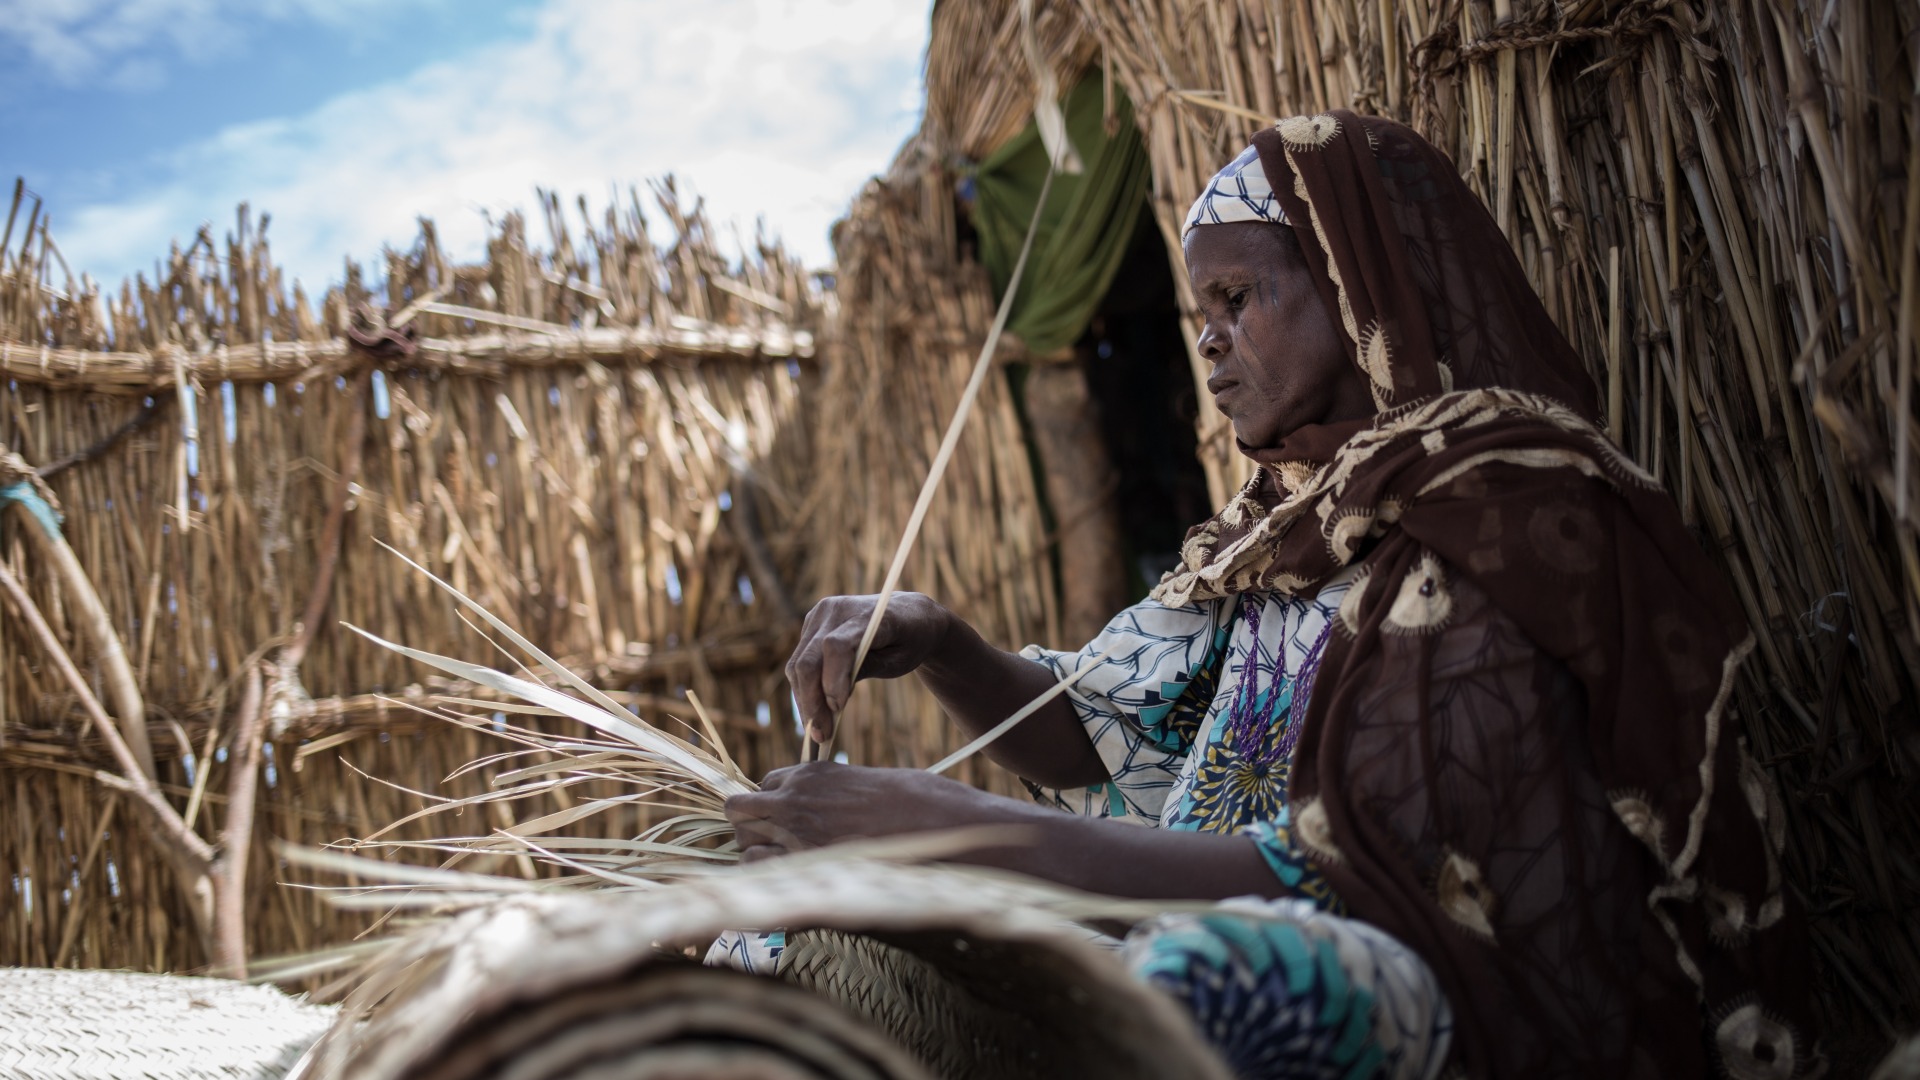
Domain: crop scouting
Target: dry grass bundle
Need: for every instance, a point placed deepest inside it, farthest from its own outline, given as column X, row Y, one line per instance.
column 688, row 778
column 1719, row 204
column 665, row 770
column 907, row 977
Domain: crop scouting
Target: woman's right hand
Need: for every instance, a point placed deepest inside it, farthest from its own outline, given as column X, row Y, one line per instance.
column 821, row 668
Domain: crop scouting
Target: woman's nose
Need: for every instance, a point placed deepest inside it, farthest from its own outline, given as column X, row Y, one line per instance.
column 1213, row 344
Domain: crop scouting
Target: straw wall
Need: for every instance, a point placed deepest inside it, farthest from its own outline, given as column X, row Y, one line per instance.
column 1718, row 203
column 599, row 440
column 910, row 341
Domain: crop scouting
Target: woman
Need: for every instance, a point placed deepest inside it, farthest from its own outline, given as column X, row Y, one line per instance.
column 1448, row 680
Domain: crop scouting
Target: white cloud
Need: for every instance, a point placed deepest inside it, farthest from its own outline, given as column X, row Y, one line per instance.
column 76, row 40
column 767, row 108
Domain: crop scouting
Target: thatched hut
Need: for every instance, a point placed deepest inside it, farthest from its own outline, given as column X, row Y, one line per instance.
column 1718, row 202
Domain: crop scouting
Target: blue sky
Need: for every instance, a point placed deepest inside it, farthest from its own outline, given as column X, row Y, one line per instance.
column 139, row 120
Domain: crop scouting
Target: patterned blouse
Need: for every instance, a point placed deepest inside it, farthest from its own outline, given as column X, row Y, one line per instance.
column 1195, row 717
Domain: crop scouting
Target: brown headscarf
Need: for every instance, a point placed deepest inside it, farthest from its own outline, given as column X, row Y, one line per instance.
column 1519, row 756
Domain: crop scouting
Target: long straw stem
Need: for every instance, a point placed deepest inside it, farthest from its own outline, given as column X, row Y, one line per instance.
column 1031, row 707
column 947, row 445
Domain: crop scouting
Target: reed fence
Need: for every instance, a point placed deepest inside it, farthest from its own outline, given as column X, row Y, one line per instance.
column 601, row 437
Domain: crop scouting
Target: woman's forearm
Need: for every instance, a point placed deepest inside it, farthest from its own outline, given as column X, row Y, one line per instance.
column 979, row 686
column 1117, row 859
column 818, row 804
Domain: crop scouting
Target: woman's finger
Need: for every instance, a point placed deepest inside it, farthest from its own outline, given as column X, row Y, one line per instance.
column 808, row 645
column 804, row 674
column 837, row 649
column 820, row 617
column 817, row 615
column 803, row 665
column 763, row 817
column 773, row 780
column 749, row 812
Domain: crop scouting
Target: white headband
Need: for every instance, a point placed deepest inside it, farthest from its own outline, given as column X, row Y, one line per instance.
column 1239, row 192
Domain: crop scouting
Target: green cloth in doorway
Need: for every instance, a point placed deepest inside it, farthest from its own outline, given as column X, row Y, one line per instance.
column 1084, row 230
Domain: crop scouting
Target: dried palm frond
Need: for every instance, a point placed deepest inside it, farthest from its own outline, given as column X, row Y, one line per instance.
column 661, row 769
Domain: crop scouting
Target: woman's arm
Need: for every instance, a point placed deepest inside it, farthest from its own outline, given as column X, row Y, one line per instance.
column 977, row 684
column 813, row 805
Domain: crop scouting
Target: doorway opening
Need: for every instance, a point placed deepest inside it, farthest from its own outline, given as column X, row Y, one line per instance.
column 1135, row 358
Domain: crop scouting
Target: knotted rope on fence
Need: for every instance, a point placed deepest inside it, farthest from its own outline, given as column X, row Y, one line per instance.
column 1632, row 25
column 20, row 483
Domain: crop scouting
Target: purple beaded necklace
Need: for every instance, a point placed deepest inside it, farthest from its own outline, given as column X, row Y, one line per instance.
column 1244, row 725
column 1303, row 691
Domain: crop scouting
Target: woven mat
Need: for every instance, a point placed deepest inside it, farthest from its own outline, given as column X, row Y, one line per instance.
column 105, row 1025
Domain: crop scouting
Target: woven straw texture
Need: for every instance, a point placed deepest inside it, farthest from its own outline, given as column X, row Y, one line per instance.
column 673, row 1019
column 897, row 971
column 967, row 1004
column 105, row 1025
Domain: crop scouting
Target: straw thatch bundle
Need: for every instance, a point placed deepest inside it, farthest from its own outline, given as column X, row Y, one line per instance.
column 598, row 437
column 1720, row 205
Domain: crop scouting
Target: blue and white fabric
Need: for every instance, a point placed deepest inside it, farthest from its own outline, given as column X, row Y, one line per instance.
column 1195, row 714
column 1285, row 990
column 1168, row 711
column 1239, row 192
column 756, row 952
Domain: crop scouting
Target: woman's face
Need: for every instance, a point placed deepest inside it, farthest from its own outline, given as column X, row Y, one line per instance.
column 1279, row 361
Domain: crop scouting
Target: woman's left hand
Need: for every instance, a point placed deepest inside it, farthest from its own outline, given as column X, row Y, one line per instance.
column 821, row 803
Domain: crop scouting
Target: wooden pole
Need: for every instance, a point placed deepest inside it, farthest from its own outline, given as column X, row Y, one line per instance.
column 94, row 622
column 189, row 855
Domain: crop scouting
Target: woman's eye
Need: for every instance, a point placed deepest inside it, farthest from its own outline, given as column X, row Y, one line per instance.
column 1237, row 299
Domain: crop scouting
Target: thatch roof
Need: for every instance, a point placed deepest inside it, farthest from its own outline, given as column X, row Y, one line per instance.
column 1719, row 205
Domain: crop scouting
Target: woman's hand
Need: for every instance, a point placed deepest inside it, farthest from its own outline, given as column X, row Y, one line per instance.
column 821, row 803
column 821, row 668
column 977, row 684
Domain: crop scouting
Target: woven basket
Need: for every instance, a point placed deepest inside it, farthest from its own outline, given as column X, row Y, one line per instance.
column 105, row 1025
column 673, row 1019
column 971, row 1005
column 892, row 973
